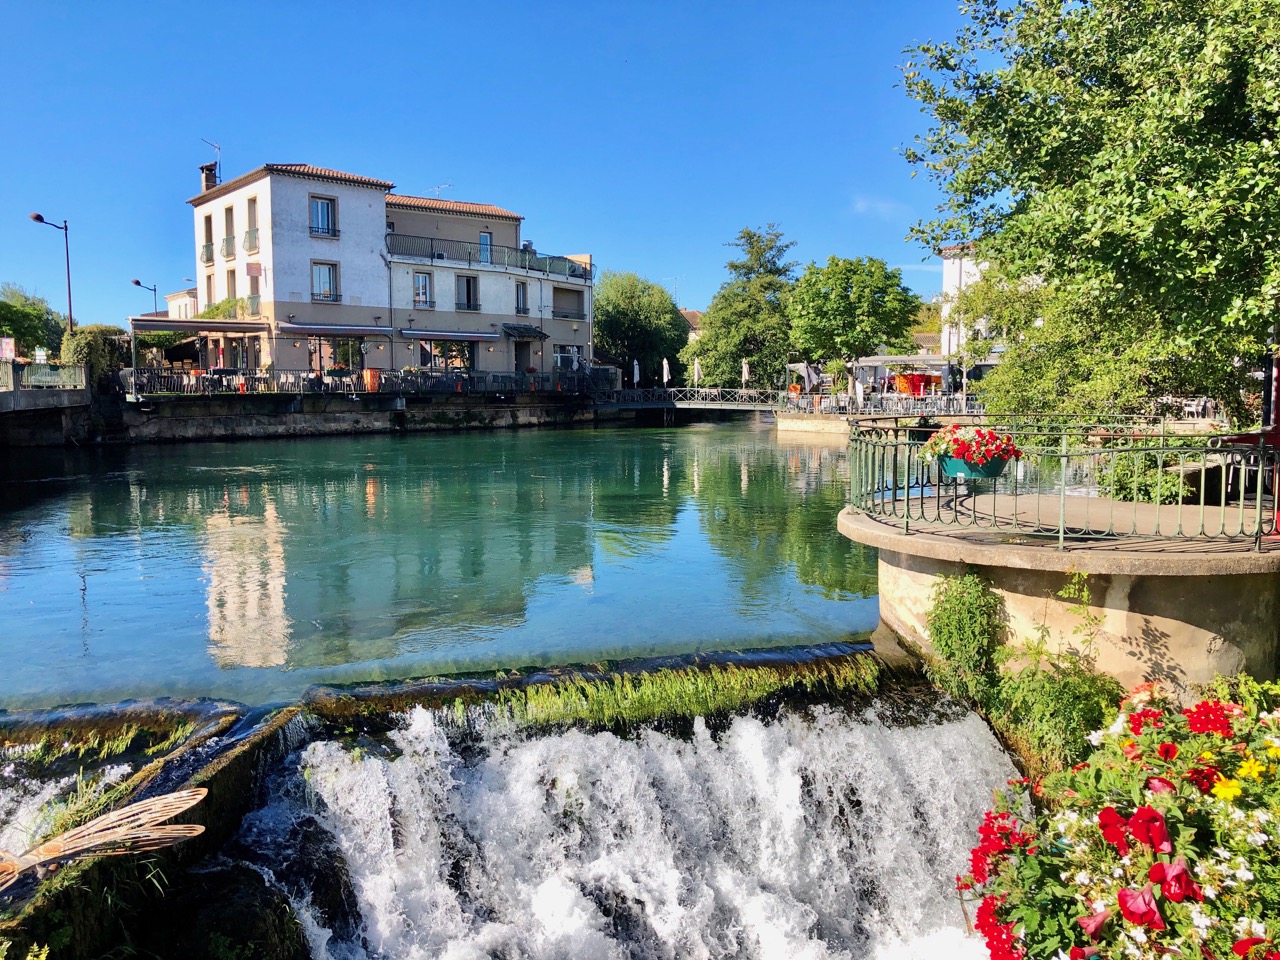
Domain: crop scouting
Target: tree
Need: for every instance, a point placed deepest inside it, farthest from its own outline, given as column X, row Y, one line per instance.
column 1114, row 147
column 53, row 324
column 747, row 318
column 24, row 324
column 636, row 319
column 848, row 308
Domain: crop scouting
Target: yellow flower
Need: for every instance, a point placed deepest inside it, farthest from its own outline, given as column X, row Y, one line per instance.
column 1273, row 747
column 1226, row 789
column 1207, row 755
column 1251, row 768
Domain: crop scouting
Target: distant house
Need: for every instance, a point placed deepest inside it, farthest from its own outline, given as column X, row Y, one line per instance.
column 960, row 269
column 928, row 343
column 694, row 319
column 183, row 305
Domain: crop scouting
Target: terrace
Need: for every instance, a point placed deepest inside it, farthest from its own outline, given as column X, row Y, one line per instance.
column 476, row 254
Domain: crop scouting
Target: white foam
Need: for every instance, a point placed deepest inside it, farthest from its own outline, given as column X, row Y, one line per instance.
column 820, row 835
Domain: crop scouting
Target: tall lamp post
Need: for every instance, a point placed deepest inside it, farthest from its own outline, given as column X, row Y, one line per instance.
column 66, row 243
column 155, row 308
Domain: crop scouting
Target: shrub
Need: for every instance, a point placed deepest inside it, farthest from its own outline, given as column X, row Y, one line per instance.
column 1163, row 843
column 97, row 346
column 1143, row 478
column 964, row 631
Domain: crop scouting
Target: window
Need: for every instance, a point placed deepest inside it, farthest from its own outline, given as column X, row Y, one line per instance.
column 231, row 284
column 567, row 304
column 422, row 291
column 324, row 217
column 522, row 298
column 251, row 231
column 229, row 234
column 208, row 229
column 468, row 293
column 208, row 289
column 486, row 247
column 391, row 226
column 253, row 213
column 255, row 298
column 564, row 355
column 324, row 282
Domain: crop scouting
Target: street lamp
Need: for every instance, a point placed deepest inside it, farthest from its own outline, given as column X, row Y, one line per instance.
column 155, row 308
column 66, row 243
column 155, row 303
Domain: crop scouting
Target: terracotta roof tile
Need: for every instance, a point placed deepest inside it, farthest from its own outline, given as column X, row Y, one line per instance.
column 450, row 206
column 305, row 170
column 956, row 249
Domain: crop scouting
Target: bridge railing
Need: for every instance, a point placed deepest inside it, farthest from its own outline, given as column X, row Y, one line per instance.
column 728, row 396
column 41, row 376
column 1121, row 480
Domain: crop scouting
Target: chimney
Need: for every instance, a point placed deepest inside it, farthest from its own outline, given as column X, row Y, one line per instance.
column 208, row 176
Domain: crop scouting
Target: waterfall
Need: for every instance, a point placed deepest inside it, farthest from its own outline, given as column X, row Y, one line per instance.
column 821, row 833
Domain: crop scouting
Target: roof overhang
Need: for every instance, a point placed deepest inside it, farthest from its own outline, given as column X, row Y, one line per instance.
column 333, row 330
column 195, row 327
column 524, row 331
column 906, row 360
column 473, row 335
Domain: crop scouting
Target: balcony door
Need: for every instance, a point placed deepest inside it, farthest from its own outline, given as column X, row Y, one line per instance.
column 486, row 247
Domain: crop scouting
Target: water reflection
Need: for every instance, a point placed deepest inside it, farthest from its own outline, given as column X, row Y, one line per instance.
column 293, row 562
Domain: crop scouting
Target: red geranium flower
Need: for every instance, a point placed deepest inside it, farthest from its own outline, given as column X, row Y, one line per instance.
column 1139, row 906
column 1211, row 716
column 1142, row 717
column 1204, row 777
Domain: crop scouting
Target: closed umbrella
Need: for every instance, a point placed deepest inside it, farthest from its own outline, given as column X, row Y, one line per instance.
column 697, row 371
column 746, row 373
column 575, row 359
column 635, row 373
column 666, row 371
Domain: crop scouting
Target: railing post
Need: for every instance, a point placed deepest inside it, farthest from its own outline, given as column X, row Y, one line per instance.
column 1062, row 495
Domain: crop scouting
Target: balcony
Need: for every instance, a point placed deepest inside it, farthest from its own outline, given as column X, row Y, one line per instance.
column 325, row 296
column 487, row 255
column 466, row 305
column 251, row 240
column 206, row 253
column 522, row 311
column 559, row 314
column 421, row 303
column 326, row 232
column 253, row 303
column 229, row 247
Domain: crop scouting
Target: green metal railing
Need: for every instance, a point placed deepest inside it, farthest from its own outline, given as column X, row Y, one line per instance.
column 206, row 253
column 251, row 240
column 6, row 375
column 1124, row 480
column 253, row 304
column 228, row 247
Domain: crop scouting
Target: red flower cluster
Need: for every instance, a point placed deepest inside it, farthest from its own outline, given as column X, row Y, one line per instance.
column 1139, row 907
column 1145, row 826
column 998, row 834
column 1138, row 720
column 1175, row 881
column 1204, row 777
column 1241, row 948
column 971, row 444
column 1212, row 716
column 1001, row 943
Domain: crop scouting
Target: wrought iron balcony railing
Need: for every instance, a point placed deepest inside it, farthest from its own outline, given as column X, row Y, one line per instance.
column 475, row 254
column 206, row 253
column 522, row 311
column 421, row 303
column 467, row 305
column 251, row 240
column 253, row 303
column 325, row 297
column 228, row 247
column 320, row 230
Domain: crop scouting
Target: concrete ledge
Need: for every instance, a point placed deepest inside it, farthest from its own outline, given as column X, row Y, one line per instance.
column 1132, row 557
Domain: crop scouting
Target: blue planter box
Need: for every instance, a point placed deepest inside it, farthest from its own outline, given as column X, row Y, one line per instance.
column 964, row 470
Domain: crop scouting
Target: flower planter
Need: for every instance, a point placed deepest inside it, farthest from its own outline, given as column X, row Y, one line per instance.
column 964, row 470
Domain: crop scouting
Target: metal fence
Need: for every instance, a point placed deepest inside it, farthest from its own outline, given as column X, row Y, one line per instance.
column 894, row 404
column 1129, row 479
column 42, row 376
column 157, row 383
column 461, row 251
column 696, row 396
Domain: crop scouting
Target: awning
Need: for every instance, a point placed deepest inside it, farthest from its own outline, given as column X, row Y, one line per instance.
column 447, row 334
column 524, row 331
column 906, row 360
column 332, row 330
column 194, row 327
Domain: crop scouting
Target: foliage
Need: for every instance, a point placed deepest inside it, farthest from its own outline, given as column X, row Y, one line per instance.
column 973, row 444
column 1114, row 148
column 35, row 953
column 964, row 631
column 24, row 324
column 636, row 319
column 229, row 309
column 53, row 323
column 928, row 318
column 1088, row 358
column 97, row 346
column 747, row 319
column 1161, row 844
column 1143, row 477
column 848, row 308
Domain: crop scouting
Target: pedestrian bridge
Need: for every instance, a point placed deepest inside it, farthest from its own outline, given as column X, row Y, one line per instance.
column 692, row 398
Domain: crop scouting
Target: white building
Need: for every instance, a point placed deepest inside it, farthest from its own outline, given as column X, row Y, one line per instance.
column 960, row 270
column 326, row 266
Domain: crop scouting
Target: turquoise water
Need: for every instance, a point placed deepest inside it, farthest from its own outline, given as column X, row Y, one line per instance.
column 252, row 570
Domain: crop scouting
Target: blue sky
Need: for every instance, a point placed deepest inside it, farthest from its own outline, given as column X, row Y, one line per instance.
column 647, row 134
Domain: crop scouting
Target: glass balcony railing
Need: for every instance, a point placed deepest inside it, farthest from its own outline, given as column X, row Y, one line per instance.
column 253, row 303
column 206, row 253
column 228, row 247
column 251, row 240
column 561, row 314
column 459, row 251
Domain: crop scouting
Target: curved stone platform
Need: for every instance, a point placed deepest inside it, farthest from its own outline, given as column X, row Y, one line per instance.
column 1176, row 611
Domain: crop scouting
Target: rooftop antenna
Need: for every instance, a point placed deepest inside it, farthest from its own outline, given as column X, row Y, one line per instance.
column 217, row 156
column 677, row 287
column 443, row 186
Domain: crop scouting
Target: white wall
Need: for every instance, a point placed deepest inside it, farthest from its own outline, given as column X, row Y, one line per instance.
column 958, row 272
column 238, row 200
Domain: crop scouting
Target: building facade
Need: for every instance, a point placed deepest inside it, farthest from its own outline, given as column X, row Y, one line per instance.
column 960, row 270
column 314, row 267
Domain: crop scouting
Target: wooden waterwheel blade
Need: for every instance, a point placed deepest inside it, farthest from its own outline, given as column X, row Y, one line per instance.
column 125, row 823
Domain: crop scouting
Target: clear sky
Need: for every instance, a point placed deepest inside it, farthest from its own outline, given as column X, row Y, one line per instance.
column 645, row 133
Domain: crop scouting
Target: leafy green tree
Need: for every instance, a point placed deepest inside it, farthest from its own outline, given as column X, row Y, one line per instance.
column 747, row 318
column 24, row 324
column 1114, row 147
column 53, row 323
column 848, row 308
column 636, row 319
